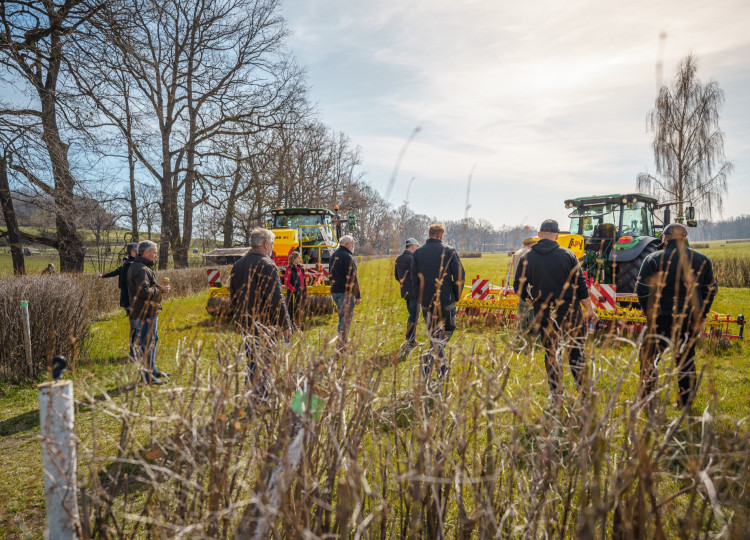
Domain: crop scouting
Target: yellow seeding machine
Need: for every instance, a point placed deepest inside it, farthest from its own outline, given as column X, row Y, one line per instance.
column 312, row 232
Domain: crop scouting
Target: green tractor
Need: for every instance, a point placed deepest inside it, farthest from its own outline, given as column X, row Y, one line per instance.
column 619, row 232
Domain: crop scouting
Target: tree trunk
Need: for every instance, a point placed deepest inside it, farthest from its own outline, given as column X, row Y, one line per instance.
column 228, row 225
column 70, row 244
column 16, row 250
column 131, row 172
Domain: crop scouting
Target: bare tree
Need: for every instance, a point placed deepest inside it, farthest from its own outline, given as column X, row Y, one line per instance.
column 33, row 41
column 688, row 145
column 198, row 70
column 148, row 206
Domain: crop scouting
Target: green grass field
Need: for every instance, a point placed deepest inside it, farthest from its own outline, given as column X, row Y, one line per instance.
column 186, row 329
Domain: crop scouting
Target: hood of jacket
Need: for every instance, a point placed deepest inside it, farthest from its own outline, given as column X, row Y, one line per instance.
column 545, row 246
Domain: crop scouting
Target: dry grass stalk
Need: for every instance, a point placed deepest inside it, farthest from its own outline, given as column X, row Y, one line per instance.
column 393, row 455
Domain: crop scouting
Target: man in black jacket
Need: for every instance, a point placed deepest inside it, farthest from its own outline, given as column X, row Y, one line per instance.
column 342, row 271
column 550, row 278
column 675, row 288
column 401, row 272
column 258, row 304
column 145, row 296
column 122, row 275
column 438, row 277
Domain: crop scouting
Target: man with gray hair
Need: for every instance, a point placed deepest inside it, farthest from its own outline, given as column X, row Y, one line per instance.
column 145, row 296
column 675, row 288
column 342, row 270
column 121, row 272
column 258, row 305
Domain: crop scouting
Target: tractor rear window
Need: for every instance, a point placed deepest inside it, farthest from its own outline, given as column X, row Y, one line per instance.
column 583, row 220
column 636, row 220
column 292, row 222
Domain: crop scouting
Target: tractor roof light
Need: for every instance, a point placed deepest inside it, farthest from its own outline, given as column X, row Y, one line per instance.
column 624, row 199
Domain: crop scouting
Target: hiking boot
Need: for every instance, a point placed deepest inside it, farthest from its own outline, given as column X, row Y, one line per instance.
column 159, row 374
column 149, row 379
column 442, row 372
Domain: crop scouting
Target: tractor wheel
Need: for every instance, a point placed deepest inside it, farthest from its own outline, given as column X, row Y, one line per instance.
column 627, row 273
column 319, row 305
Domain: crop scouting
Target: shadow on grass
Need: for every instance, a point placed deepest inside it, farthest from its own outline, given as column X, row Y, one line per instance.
column 30, row 419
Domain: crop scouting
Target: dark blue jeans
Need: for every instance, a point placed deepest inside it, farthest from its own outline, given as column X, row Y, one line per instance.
column 411, row 322
column 441, row 322
column 345, row 308
column 144, row 336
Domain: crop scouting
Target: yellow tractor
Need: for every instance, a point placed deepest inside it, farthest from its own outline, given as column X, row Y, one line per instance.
column 312, row 232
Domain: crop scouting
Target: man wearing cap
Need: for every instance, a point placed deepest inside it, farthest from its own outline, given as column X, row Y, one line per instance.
column 550, row 278
column 401, row 272
column 675, row 288
column 438, row 277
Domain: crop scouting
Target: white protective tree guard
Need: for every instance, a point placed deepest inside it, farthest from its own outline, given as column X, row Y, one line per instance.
column 56, row 415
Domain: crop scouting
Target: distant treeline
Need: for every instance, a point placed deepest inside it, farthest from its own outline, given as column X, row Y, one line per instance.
column 735, row 227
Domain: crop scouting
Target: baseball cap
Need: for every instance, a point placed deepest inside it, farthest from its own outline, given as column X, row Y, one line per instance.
column 549, row 225
column 411, row 242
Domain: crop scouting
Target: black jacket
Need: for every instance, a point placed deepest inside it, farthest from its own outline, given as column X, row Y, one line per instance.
column 144, row 293
column 402, row 271
column 256, row 293
column 342, row 270
column 543, row 273
column 436, row 265
column 683, row 277
column 122, row 280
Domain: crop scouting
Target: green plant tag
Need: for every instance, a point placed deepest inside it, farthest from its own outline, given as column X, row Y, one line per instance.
column 24, row 303
column 301, row 401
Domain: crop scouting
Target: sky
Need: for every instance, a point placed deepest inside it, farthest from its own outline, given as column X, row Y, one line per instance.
column 537, row 101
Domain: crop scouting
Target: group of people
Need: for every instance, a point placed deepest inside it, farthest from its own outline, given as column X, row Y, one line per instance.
column 675, row 289
column 141, row 297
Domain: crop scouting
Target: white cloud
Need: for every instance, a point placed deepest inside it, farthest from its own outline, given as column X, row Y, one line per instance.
column 546, row 97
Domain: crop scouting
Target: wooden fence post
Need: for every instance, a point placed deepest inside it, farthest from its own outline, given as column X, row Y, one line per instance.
column 56, row 415
column 27, row 336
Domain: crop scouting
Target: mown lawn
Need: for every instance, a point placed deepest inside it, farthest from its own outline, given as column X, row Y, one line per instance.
column 378, row 326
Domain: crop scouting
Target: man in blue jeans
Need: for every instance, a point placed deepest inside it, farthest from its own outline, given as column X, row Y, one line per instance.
column 145, row 305
column 401, row 271
column 342, row 271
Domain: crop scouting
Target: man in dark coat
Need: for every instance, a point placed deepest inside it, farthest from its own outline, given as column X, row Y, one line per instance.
column 438, row 277
column 342, row 271
column 402, row 271
column 550, row 278
column 145, row 296
column 121, row 272
column 260, row 312
column 675, row 288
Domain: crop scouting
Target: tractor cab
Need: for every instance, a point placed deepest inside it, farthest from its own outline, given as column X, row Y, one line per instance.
column 619, row 231
column 610, row 218
column 307, row 230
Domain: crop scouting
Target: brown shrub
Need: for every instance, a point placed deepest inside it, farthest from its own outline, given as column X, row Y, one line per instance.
column 60, row 308
column 58, row 313
column 734, row 272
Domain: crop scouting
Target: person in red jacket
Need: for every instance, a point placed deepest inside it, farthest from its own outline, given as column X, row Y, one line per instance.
column 296, row 296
